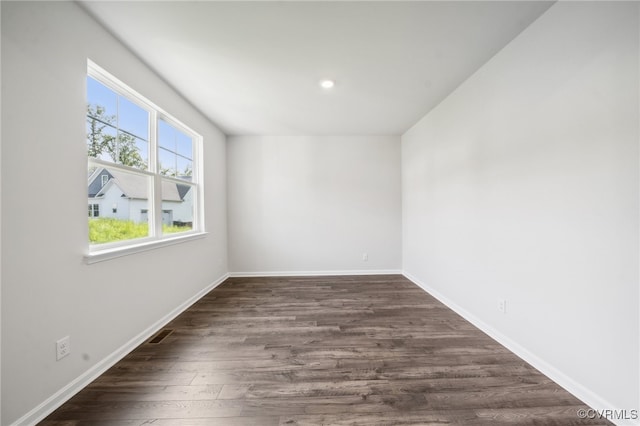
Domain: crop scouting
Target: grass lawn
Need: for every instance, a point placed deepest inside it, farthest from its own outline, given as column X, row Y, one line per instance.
column 108, row 230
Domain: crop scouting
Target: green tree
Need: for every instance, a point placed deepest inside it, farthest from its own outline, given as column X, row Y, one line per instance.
column 121, row 149
column 97, row 140
column 168, row 171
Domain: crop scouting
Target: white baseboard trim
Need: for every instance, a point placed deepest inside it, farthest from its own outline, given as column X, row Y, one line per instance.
column 63, row 395
column 314, row 273
column 576, row 389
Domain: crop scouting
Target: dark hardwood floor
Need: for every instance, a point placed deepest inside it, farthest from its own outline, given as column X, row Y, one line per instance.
column 365, row 350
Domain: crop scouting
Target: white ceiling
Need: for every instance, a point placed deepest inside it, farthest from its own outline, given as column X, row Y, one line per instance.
column 254, row 67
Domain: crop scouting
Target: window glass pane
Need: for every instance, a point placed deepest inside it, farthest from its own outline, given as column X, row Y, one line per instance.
column 177, row 207
column 116, row 208
column 133, row 119
column 184, row 145
column 132, row 151
column 185, row 168
column 174, row 140
column 166, row 135
column 117, row 129
column 102, row 101
column 167, row 162
column 101, row 140
column 143, row 150
column 176, row 151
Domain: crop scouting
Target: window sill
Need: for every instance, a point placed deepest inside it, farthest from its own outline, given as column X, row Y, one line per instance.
column 113, row 253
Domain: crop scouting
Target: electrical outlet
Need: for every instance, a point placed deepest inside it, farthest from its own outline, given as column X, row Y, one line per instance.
column 502, row 306
column 63, row 348
column 365, row 257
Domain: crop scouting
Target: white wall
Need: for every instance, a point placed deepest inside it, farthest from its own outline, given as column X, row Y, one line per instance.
column 523, row 185
column 302, row 204
column 0, row 231
column 48, row 291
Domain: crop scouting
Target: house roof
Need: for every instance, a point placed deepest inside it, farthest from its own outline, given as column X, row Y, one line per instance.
column 136, row 187
column 94, row 184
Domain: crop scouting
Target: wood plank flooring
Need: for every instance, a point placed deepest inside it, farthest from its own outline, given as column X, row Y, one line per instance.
column 348, row 350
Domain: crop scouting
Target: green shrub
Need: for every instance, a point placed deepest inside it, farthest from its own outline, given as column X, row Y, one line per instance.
column 107, row 230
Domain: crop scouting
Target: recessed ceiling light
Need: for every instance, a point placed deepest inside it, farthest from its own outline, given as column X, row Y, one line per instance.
column 327, row 84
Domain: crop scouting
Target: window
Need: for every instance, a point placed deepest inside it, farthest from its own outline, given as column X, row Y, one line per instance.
column 143, row 168
column 94, row 210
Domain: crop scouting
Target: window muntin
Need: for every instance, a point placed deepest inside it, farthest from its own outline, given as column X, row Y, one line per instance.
column 142, row 167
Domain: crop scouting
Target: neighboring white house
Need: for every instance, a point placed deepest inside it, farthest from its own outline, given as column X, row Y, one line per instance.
column 125, row 196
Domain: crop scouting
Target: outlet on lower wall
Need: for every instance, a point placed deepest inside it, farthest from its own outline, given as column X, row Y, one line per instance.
column 63, row 348
column 365, row 257
column 502, row 306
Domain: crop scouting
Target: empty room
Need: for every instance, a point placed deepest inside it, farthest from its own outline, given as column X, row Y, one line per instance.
column 320, row 213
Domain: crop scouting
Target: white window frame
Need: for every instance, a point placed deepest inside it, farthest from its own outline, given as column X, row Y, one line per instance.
column 105, row 251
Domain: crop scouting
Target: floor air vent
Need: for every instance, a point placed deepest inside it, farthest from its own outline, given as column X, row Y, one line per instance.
column 161, row 336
